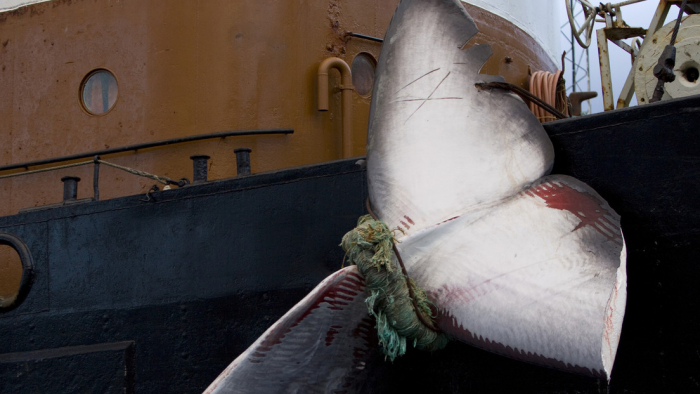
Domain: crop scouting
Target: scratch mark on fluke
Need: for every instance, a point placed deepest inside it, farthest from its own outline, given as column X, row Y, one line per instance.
column 429, row 97
column 416, row 80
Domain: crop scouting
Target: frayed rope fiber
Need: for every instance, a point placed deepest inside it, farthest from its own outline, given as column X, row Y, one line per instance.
column 370, row 247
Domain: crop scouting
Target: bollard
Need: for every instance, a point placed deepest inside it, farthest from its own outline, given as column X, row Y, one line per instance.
column 243, row 160
column 70, row 188
column 199, row 168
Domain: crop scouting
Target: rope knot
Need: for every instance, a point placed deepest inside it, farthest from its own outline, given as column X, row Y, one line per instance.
column 402, row 309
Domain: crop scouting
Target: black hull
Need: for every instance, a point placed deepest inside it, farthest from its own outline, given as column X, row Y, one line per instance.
column 159, row 296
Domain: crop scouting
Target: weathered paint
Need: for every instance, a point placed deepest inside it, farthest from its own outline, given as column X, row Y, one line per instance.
column 605, row 72
column 687, row 57
column 539, row 19
column 183, row 68
column 191, row 67
column 515, row 52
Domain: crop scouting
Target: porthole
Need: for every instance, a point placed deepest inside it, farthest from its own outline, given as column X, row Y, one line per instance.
column 98, row 92
column 363, row 67
column 16, row 272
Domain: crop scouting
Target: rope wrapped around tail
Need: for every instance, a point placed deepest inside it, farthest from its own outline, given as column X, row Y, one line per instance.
column 370, row 246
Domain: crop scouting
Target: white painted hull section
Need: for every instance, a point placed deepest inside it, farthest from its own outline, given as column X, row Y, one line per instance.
column 540, row 19
column 9, row 5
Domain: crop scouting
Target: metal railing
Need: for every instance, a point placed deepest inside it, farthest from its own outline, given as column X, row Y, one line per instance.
column 145, row 145
column 96, row 160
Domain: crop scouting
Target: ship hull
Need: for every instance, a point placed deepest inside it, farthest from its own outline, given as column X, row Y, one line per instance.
column 187, row 68
column 172, row 290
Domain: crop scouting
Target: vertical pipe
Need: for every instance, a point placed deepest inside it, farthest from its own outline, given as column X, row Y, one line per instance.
column 96, row 179
column 588, row 79
column 347, row 88
column 199, row 168
column 347, row 119
column 574, row 63
column 605, row 78
column 70, row 188
column 627, row 89
column 243, row 161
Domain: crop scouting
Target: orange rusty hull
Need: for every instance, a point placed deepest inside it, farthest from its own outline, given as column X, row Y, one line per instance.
column 186, row 68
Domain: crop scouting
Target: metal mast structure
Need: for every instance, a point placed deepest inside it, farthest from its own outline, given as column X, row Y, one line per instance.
column 577, row 62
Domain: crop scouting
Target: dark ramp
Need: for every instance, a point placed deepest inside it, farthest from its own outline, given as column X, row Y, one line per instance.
column 645, row 161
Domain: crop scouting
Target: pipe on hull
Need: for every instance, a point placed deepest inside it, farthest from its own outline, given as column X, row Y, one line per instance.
column 347, row 89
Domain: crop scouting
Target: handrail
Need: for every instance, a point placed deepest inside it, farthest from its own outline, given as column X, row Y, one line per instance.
column 145, row 145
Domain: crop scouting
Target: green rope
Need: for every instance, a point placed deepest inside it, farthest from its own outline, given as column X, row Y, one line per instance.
column 369, row 246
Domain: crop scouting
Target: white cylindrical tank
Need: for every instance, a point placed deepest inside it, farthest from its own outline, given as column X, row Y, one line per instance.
column 8, row 5
column 538, row 18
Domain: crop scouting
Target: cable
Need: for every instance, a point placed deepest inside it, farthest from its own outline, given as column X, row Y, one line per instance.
column 667, row 61
column 550, row 88
column 524, row 94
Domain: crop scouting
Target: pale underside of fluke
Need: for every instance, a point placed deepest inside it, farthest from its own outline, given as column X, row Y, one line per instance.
column 525, row 265
column 320, row 346
column 521, row 263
